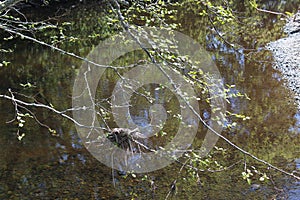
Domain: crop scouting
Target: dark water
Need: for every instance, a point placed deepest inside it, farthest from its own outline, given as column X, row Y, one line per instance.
column 57, row 166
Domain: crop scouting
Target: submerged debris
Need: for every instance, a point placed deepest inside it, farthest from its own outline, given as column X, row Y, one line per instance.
column 124, row 138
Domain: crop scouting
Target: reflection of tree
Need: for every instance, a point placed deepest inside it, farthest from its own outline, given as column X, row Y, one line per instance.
column 272, row 115
column 266, row 114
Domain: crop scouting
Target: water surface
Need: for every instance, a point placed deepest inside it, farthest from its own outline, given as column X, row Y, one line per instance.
column 58, row 166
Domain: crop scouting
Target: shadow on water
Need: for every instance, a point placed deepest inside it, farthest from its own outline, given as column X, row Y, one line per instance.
column 57, row 166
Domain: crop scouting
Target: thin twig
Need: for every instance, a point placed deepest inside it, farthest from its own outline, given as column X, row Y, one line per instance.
column 62, row 113
column 271, row 12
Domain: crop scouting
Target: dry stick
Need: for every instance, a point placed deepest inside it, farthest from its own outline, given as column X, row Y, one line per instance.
column 173, row 185
column 126, row 27
column 258, row 9
column 15, row 105
column 271, row 12
column 91, row 99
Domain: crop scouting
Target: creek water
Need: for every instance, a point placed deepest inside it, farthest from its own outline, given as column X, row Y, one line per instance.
column 57, row 166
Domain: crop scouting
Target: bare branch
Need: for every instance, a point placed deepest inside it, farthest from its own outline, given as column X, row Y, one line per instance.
column 8, row 3
column 61, row 113
column 271, row 12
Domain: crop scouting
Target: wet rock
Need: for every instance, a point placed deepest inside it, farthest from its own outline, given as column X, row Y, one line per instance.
column 286, row 52
column 122, row 173
column 255, row 187
column 297, row 162
column 293, row 25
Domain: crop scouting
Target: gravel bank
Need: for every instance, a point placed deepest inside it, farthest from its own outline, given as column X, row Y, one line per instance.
column 286, row 52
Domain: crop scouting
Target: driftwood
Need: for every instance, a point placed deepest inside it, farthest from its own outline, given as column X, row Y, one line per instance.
column 124, row 137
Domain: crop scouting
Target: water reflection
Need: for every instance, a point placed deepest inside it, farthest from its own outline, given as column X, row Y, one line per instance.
column 293, row 187
column 296, row 127
column 45, row 166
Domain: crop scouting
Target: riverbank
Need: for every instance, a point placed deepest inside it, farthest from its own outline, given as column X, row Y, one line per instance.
column 286, row 52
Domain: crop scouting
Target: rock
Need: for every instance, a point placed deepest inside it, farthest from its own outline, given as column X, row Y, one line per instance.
column 255, row 187
column 293, row 24
column 286, row 52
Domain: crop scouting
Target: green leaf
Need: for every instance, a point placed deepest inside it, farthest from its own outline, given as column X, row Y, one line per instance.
column 249, row 181
column 8, row 38
column 289, row 13
column 4, row 63
column 20, row 137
